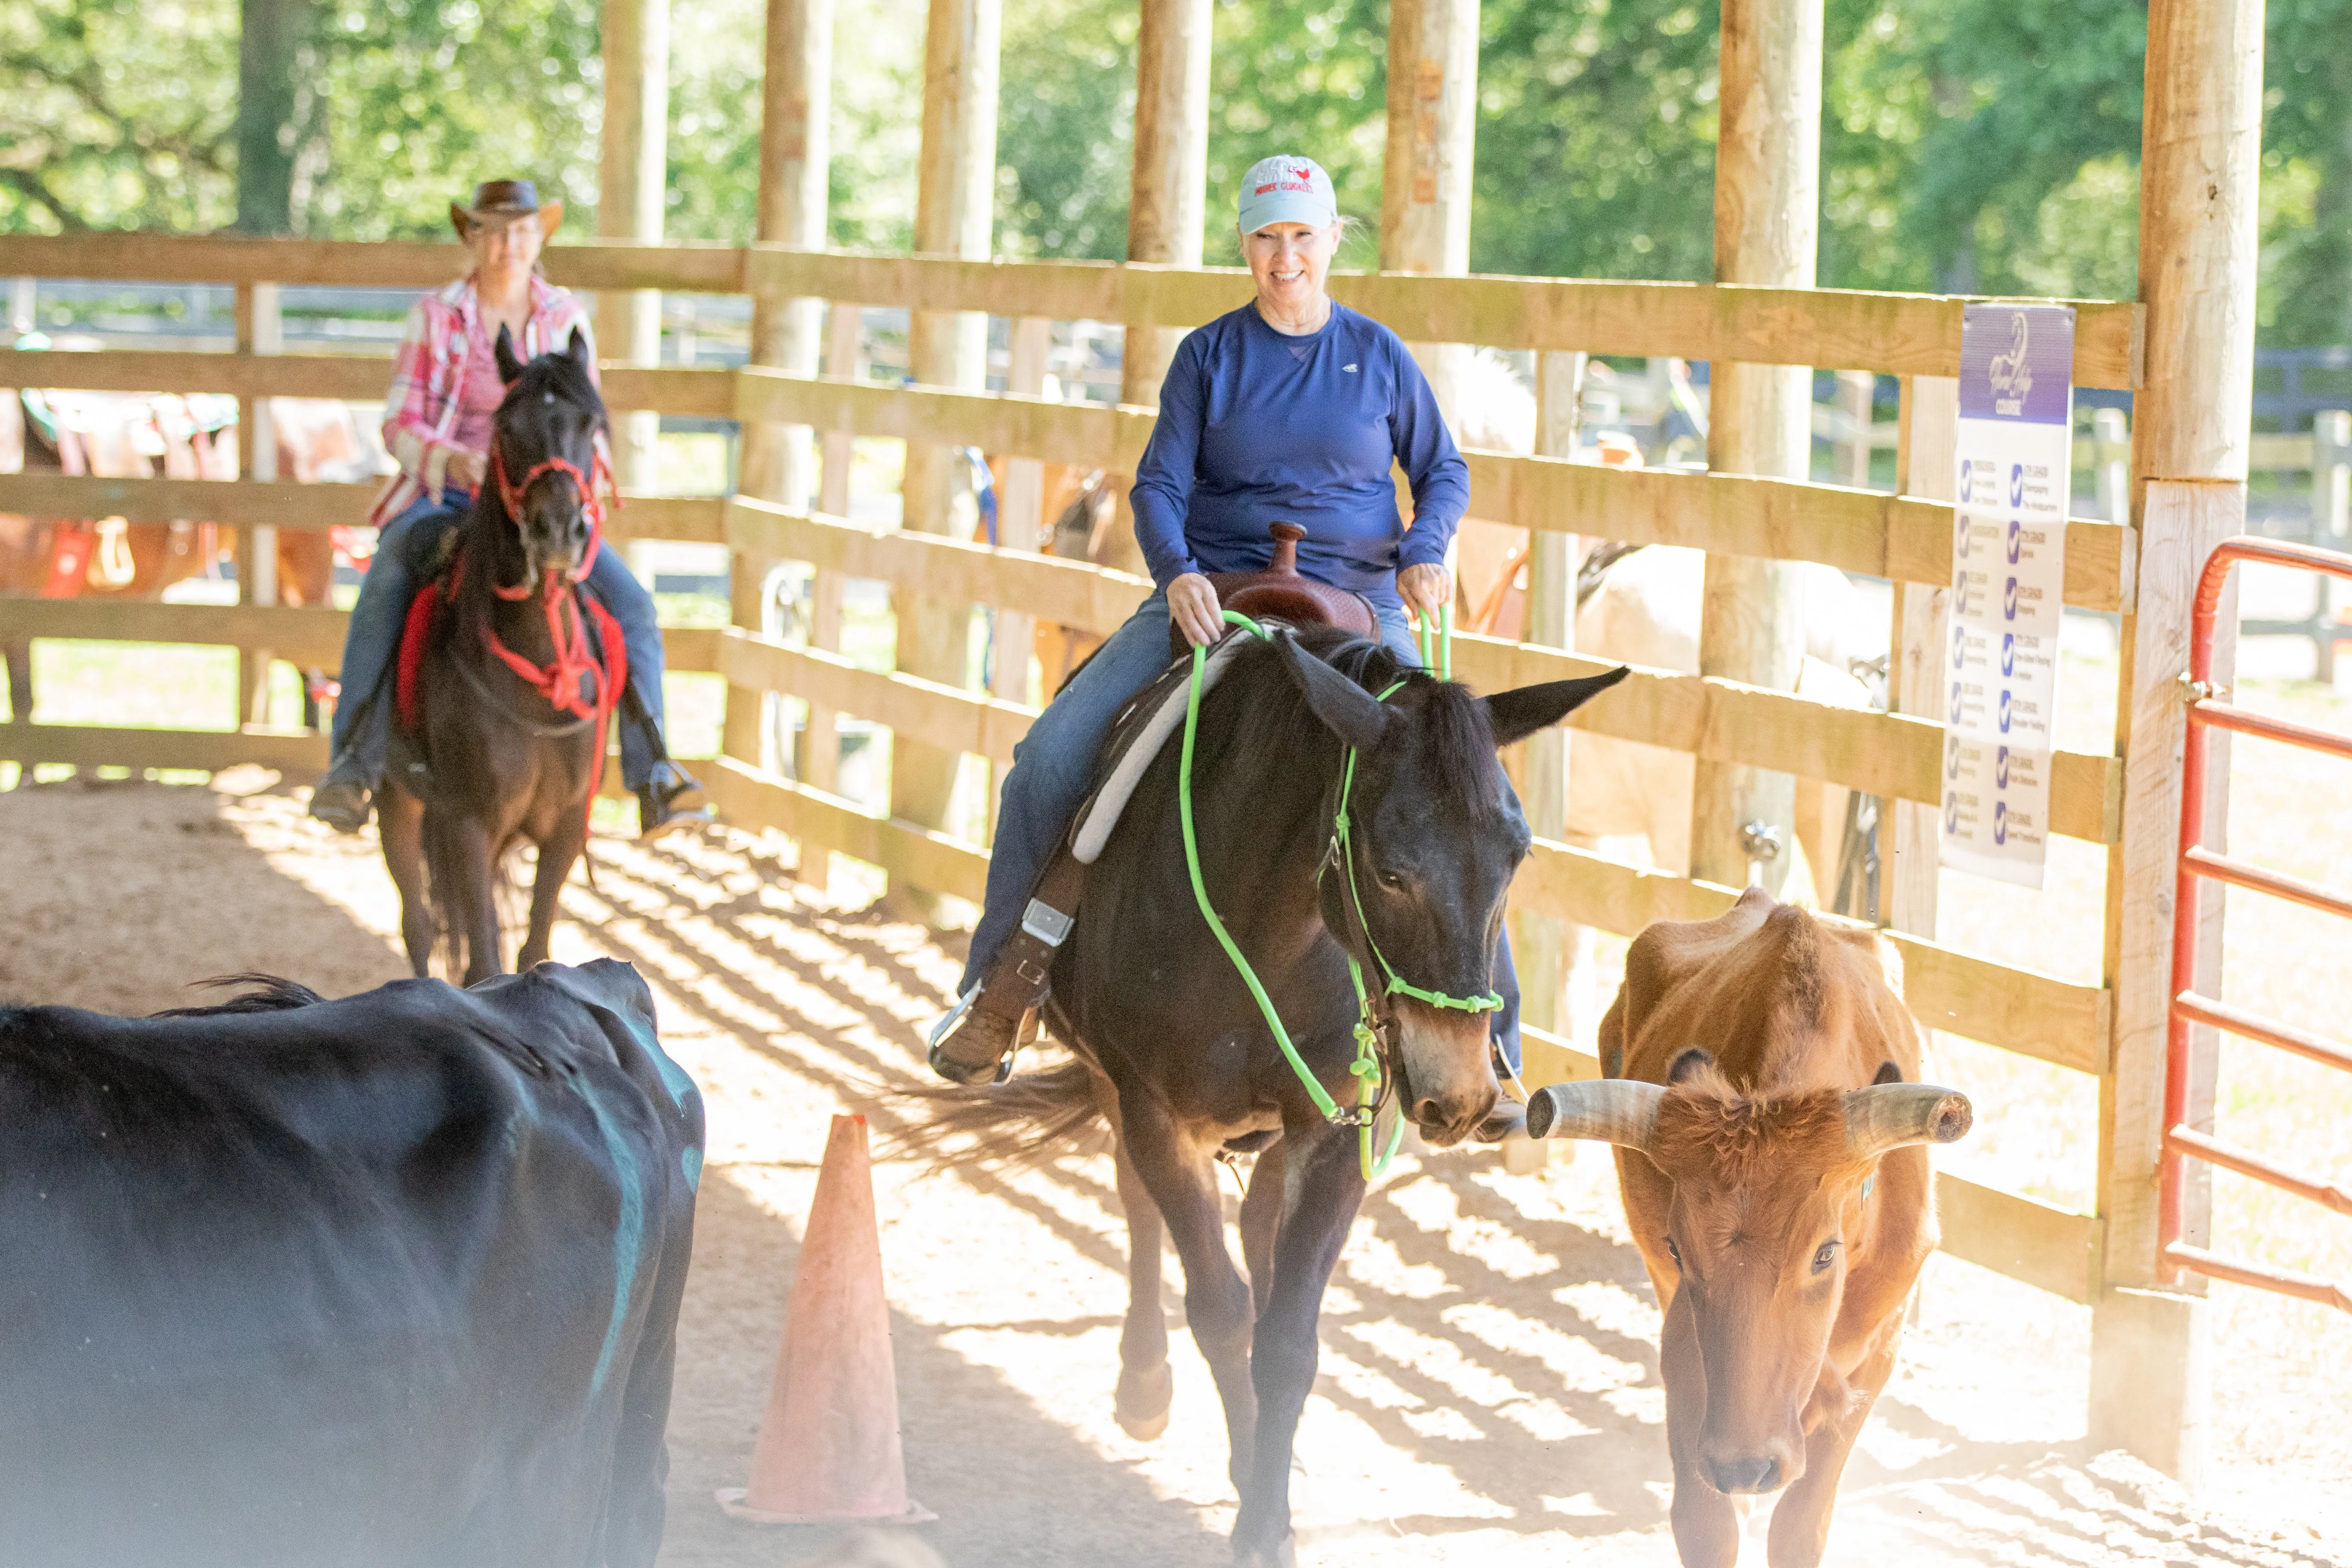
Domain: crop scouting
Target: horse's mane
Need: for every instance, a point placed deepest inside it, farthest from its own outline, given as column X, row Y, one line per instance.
column 1269, row 714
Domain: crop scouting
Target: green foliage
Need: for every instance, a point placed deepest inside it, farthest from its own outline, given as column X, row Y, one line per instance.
column 431, row 96
column 117, row 113
column 1065, row 128
column 1990, row 145
column 1596, row 139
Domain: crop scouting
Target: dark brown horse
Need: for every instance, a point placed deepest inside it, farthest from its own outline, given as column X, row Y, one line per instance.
column 1174, row 1052
column 505, row 700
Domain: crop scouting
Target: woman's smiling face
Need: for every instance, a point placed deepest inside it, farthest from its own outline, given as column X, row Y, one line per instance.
column 1288, row 262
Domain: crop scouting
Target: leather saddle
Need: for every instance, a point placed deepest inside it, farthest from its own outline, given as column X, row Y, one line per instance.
column 1279, row 591
column 1016, row 981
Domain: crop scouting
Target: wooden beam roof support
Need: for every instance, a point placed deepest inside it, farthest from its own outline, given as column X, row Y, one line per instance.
column 1167, row 211
column 1425, row 178
column 954, row 213
column 1767, row 225
column 632, row 182
column 2200, row 174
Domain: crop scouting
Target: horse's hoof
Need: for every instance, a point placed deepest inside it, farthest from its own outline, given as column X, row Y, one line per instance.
column 1143, row 1402
column 1284, row 1555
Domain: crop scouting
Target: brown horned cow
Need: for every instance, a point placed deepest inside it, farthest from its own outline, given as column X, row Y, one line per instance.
column 1762, row 1089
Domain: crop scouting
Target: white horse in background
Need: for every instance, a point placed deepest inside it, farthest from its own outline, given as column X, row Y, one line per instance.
column 1645, row 610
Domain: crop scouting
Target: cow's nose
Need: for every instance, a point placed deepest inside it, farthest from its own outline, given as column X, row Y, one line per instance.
column 1753, row 1473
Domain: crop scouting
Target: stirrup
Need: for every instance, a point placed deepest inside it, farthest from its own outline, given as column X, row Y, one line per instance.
column 940, row 1030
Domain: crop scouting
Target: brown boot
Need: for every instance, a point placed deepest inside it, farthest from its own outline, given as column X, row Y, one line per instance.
column 974, row 1045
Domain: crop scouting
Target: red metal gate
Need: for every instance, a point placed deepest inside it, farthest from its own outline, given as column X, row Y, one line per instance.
column 2209, row 710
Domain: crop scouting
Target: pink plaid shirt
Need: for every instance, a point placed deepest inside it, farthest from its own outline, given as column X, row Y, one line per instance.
column 429, row 373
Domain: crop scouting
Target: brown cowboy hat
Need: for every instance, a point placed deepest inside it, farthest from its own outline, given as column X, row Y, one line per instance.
column 505, row 198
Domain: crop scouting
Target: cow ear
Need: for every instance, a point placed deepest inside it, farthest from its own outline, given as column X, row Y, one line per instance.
column 1888, row 1073
column 1690, row 1064
column 1516, row 715
column 1346, row 709
column 582, row 355
column 510, row 367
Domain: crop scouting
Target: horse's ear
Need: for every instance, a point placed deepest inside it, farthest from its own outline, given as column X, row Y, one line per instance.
column 1516, row 715
column 1350, row 711
column 582, row 355
column 510, row 367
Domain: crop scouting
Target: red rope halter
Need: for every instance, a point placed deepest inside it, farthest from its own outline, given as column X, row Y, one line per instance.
column 574, row 681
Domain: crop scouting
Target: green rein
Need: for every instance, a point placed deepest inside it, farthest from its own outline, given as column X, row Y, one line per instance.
column 1366, row 1068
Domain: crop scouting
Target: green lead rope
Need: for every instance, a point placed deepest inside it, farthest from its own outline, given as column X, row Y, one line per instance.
column 1366, row 1068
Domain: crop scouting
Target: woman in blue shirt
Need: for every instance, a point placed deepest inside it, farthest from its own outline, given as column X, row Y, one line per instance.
column 1293, row 409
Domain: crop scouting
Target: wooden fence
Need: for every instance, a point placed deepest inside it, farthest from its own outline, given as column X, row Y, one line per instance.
column 1905, row 538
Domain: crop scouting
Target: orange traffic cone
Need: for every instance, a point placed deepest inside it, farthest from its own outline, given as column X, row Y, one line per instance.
column 828, row 1450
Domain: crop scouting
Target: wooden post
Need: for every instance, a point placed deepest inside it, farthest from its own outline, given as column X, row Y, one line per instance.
column 1433, row 101
column 2200, row 168
column 2331, row 525
column 1856, row 392
column 1767, row 206
column 777, row 459
column 954, row 207
column 633, row 177
column 2111, row 458
column 1545, row 947
column 1927, row 462
column 1167, row 206
column 1020, row 508
column 795, row 108
column 819, row 762
column 259, row 330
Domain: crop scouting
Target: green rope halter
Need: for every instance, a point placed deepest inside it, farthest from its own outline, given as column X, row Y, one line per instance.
column 1370, row 1081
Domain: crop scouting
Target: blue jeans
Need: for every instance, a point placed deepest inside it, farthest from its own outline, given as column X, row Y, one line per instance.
column 362, row 730
column 1055, row 762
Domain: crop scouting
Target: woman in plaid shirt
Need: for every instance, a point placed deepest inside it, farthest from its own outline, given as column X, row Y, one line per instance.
column 437, row 423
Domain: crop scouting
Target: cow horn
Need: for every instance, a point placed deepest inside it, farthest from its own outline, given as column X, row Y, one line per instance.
column 1611, row 1109
column 1897, row 1115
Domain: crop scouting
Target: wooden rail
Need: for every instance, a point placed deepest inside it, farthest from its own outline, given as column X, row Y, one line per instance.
column 356, row 378
column 311, row 637
column 1900, row 537
column 700, row 519
column 1899, row 334
column 1890, row 754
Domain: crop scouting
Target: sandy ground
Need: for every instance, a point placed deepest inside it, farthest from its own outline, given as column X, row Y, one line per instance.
column 1489, row 1391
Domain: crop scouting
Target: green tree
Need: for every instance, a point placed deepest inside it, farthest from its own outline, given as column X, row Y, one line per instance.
column 115, row 113
column 1596, row 139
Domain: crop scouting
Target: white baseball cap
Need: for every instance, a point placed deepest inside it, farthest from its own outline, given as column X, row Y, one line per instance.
column 1286, row 189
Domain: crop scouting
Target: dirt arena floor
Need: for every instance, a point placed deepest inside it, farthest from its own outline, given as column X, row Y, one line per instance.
column 1490, row 1389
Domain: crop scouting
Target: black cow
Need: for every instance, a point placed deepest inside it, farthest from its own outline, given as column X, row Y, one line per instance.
column 392, row 1280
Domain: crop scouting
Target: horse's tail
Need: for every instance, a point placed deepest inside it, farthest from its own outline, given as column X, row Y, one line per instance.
column 1035, row 1117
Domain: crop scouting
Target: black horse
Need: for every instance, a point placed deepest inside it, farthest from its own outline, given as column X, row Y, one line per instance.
column 510, row 688
column 1174, row 1052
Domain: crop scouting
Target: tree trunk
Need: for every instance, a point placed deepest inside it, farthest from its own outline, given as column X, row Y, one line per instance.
column 274, row 31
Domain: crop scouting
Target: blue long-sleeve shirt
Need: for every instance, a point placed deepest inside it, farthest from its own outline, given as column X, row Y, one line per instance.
column 1257, row 428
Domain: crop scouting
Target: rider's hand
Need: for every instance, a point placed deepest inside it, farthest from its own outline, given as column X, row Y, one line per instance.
column 433, row 469
column 1193, row 605
column 1428, row 588
column 467, row 468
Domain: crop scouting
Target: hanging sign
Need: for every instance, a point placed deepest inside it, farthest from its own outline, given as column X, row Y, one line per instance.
column 2008, row 572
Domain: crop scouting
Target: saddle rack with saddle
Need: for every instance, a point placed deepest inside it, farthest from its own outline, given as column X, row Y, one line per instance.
column 990, row 1023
